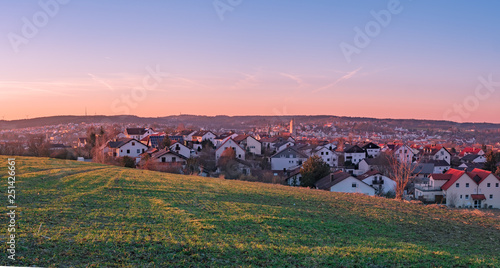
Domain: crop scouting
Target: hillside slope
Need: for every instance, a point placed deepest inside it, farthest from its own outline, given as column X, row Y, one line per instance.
column 105, row 216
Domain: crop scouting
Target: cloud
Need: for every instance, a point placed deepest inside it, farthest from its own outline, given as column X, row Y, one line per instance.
column 99, row 80
column 294, row 78
column 344, row 77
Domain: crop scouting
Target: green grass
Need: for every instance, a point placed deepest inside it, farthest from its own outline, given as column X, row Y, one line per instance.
column 101, row 216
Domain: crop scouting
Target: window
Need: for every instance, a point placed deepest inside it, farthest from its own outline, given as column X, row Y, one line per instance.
column 354, row 185
column 128, row 151
column 460, row 196
column 467, row 185
column 322, row 153
column 174, row 160
column 488, row 185
column 496, row 184
column 326, row 153
column 138, row 151
column 163, row 160
column 328, row 160
column 457, row 184
column 491, row 196
column 467, row 196
column 239, row 156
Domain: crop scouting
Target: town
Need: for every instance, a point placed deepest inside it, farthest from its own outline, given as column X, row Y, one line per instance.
column 448, row 167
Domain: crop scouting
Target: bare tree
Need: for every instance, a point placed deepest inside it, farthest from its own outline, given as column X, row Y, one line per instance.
column 401, row 172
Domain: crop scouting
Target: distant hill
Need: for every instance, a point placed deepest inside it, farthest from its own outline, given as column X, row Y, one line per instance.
column 236, row 122
column 74, row 214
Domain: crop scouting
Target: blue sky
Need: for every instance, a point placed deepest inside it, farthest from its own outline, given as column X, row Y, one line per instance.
column 263, row 57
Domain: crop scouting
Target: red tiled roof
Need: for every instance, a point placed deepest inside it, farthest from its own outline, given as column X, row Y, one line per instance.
column 469, row 150
column 441, row 176
column 455, row 175
column 240, row 138
column 478, row 197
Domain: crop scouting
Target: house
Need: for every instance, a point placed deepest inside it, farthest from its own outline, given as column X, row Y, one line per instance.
column 154, row 140
column 354, row 154
column 269, row 143
column 422, row 170
column 181, row 149
column 404, row 154
column 436, row 153
column 372, row 150
column 125, row 147
column 473, row 158
column 477, row 188
column 327, row 155
column 340, row 181
column 470, row 166
column 187, row 135
column 238, row 167
column 203, row 135
column 372, row 164
column 223, row 138
column 470, row 150
column 284, row 144
column 440, row 166
column 287, row 158
column 293, row 177
column 249, row 143
column 138, row 133
column 166, row 156
column 377, row 180
column 230, row 143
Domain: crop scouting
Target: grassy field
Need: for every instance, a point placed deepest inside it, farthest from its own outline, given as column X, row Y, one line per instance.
column 100, row 216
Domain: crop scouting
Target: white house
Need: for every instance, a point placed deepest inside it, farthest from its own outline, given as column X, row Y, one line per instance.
column 474, row 158
column 284, row 144
column 372, row 149
column 223, row 138
column 340, row 181
column 287, row 158
column 168, row 157
column 249, row 143
column 327, row 155
column 181, row 149
column 202, row 135
column 476, row 189
column 138, row 133
column 404, row 154
column 354, row 154
column 437, row 153
column 125, row 147
column 368, row 164
column 230, row 143
column 377, row 180
column 470, row 150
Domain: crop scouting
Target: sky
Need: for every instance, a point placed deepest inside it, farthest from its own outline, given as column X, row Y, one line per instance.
column 422, row 59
